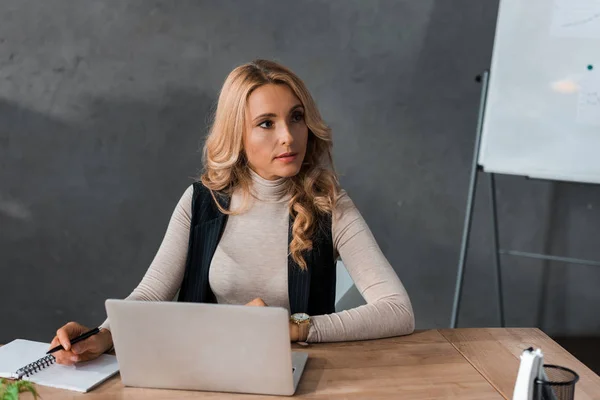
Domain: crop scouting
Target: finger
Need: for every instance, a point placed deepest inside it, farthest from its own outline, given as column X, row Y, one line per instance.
column 258, row 302
column 80, row 347
column 85, row 345
column 60, row 354
column 74, row 329
column 67, row 332
column 65, row 358
column 70, row 358
column 63, row 338
column 86, row 357
column 55, row 342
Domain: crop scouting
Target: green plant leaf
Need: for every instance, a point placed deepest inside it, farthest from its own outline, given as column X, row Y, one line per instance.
column 12, row 392
column 25, row 386
column 4, row 389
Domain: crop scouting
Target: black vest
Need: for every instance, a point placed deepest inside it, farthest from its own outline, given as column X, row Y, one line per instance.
column 311, row 291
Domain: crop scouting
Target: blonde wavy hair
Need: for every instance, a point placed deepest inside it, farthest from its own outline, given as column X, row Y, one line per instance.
column 313, row 191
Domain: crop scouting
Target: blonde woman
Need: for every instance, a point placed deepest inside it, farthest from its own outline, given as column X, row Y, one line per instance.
column 266, row 223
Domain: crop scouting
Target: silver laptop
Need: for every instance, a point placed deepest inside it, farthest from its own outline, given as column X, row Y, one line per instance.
column 212, row 347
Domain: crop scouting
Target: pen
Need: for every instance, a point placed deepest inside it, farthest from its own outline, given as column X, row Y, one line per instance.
column 75, row 340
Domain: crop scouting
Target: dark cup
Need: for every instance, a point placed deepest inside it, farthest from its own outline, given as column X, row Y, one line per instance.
column 558, row 384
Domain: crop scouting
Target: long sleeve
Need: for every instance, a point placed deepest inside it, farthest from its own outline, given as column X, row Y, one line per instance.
column 388, row 311
column 165, row 274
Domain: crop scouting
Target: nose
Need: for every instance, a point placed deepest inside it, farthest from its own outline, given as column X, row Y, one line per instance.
column 285, row 135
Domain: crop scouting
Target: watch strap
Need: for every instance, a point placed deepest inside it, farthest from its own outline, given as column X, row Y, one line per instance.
column 303, row 328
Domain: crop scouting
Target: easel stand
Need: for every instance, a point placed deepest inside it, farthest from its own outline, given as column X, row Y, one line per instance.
column 475, row 171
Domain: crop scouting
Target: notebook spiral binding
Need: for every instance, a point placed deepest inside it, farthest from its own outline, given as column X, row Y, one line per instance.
column 35, row 366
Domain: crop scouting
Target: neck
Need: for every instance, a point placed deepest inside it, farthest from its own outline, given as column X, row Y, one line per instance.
column 273, row 190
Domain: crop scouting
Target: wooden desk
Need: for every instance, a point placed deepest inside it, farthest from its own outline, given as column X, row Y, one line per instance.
column 434, row 364
column 494, row 353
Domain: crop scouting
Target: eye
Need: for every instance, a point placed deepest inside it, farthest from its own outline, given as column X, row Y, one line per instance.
column 297, row 116
column 266, row 124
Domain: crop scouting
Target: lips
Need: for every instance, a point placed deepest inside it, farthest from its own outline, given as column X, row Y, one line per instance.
column 287, row 155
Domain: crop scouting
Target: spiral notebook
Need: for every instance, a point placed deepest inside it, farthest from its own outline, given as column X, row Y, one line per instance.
column 27, row 360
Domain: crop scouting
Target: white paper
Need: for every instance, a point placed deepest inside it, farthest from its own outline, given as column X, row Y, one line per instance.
column 80, row 377
column 576, row 19
column 588, row 105
column 19, row 353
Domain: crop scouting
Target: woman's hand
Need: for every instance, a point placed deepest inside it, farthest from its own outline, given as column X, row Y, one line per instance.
column 294, row 330
column 257, row 302
column 87, row 349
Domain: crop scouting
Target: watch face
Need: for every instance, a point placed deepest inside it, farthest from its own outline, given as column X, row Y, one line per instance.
column 300, row 317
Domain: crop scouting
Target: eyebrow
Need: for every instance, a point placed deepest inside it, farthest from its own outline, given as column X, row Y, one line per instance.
column 271, row 115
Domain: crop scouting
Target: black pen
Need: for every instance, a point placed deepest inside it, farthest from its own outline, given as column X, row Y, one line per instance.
column 75, row 340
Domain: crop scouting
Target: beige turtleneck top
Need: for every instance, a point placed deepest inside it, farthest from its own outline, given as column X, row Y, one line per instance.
column 251, row 261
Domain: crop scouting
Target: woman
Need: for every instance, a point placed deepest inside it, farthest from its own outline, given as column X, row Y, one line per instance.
column 266, row 224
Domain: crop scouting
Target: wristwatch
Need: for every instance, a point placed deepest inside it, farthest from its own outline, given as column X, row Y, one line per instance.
column 303, row 322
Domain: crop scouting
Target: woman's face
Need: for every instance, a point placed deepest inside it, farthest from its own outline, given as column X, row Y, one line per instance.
column 276, row 133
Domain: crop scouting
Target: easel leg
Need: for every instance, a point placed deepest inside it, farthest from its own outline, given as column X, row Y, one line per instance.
column 464, row 247
column 496, row 248
column 470, row 200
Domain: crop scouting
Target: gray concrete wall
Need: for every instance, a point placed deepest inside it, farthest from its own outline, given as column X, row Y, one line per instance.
column 104, row 104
